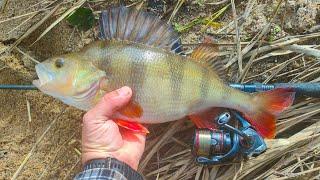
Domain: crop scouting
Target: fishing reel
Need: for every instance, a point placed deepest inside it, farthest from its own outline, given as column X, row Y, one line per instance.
column 227, row 142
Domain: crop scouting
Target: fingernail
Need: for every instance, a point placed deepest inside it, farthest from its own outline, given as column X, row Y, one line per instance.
column 124, row 91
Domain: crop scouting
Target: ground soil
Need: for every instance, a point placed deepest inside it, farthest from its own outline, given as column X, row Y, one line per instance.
column 56, row 156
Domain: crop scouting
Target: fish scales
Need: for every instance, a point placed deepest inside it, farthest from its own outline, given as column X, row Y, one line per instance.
column 141, row 51
column 164, row 77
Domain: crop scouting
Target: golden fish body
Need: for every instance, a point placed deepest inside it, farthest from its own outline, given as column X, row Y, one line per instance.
column 137, row 50
column 165, row 85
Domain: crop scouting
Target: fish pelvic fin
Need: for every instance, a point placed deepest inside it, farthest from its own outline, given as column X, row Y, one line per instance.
column 206, row 118
column 134, row 25
column 207, row 54
column 268, row 105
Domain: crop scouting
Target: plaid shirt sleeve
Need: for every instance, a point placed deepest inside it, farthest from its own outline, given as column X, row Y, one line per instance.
column 108, row 169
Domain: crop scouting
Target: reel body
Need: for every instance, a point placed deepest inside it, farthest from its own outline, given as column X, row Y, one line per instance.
column 216, row 146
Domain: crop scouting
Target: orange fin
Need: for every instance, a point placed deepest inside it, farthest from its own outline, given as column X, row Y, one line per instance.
column 132, row 110
column 207, row 54
column 134, row 126
column 269, row 105
column 206, row 118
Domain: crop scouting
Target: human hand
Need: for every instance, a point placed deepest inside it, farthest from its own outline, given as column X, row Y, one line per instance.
column 101, row 137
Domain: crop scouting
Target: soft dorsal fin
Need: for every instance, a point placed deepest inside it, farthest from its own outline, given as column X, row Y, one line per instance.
column 207, row 54
column 131, row 24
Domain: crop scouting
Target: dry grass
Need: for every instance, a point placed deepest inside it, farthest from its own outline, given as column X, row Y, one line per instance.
column 291, row 58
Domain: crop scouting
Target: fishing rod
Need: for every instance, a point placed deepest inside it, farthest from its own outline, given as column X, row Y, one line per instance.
column 307, row 89
column 233, row 136
column 18, row 87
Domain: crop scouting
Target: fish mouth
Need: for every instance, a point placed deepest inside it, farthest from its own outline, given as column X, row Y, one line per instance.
column 44, row 75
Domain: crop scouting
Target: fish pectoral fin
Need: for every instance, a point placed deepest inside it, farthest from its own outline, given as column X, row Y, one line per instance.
column 132, row 110
column 205, row 119
column 133, row 126
column 103, row 84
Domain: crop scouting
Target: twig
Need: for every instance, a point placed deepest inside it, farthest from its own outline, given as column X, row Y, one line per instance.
column 29, row 111
column 33, row 149
column 217, row 3
column 245, row 15
column 295, row 120
column 300, row 173
column 239, row 170
column 176, row 9
column 257, row 38
column 237, row 39
column 272, row 154
column 23, row 15
column 180, row 171
column 71, row 169
column 55, row 156
column 34, row 27
column 24, row 22
column 77, row 151
column 172, row 129
column 1, row 68
column 3, row 5
column 281, row 67
column 198, row 173
column 64, row 15
column 304, row 49
column 27, row 55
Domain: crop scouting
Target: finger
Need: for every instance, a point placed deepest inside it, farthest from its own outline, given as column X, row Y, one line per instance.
column 110, row 103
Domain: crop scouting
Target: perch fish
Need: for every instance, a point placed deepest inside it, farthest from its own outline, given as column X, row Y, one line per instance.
column 139, row 50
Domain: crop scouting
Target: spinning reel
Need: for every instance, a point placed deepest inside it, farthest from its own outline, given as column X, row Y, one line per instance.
column 227, row 142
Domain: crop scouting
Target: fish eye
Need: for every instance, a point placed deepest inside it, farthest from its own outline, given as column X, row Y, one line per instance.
column 59, row 63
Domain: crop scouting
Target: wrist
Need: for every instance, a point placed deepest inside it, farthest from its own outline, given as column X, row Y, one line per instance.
column 114, row 165
column 127, row 159
column 88, row 156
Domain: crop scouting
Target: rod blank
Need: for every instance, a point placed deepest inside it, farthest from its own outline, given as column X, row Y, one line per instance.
column 18, row 87
column 307, row 89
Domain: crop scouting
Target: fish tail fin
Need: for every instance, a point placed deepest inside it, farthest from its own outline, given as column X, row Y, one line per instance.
column 268, row 105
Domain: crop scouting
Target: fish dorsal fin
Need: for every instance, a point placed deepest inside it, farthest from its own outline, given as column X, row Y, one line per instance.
column 207, row 55
column 130, row 24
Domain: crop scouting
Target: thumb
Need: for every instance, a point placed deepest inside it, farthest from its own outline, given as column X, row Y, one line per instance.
column 110, row 103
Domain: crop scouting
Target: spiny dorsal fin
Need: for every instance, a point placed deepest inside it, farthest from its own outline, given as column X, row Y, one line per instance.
column 207, row 54
column 130, row 24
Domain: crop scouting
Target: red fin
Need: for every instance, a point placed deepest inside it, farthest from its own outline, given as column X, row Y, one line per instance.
column 268, row 105
column 205, row 118
column 132, row 110
column 134, row 126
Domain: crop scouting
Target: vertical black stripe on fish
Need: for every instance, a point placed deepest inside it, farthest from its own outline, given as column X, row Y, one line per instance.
column 137, row 75
column 204, row 84
column 176, row 71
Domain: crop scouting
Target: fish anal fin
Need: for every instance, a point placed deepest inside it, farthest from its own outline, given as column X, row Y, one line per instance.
column 133, row 126
column 134, row 25
column 205, row 119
